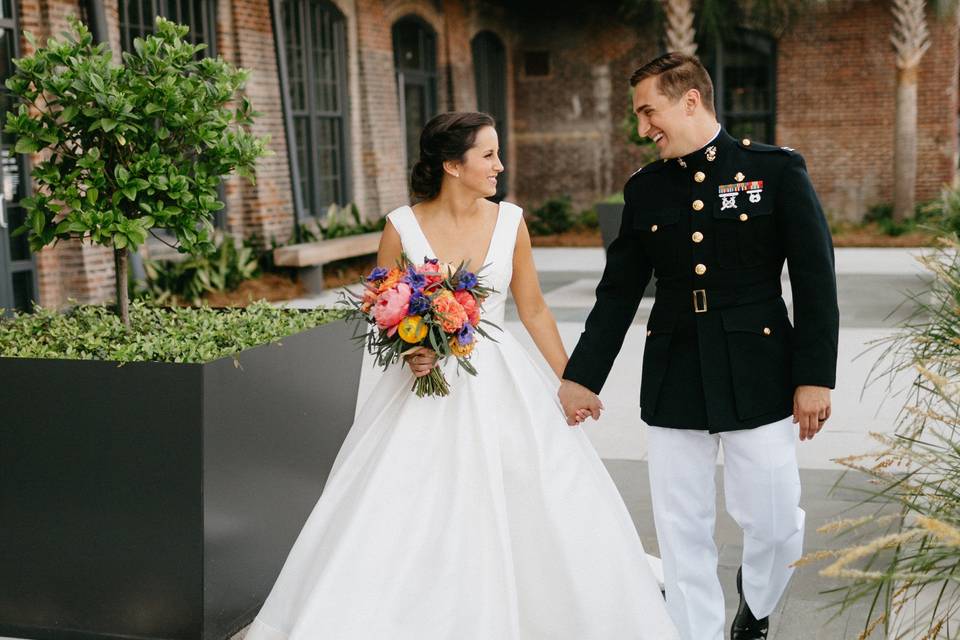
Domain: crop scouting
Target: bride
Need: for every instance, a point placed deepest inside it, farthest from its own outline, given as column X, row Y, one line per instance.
column 480, row 515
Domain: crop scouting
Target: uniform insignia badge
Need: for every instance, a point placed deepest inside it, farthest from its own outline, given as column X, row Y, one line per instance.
column 682, row 163
column 739, row 177
column 728, row 193
column 711, row 153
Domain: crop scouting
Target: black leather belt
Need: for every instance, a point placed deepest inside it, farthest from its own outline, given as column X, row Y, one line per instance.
column 703, row 300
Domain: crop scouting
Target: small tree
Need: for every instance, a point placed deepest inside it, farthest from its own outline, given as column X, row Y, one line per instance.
column 129, row 148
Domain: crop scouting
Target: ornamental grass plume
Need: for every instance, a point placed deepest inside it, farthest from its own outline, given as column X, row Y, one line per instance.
column 905, row 559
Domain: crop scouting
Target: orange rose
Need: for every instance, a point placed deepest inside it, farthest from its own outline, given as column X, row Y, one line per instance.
column 449, row 310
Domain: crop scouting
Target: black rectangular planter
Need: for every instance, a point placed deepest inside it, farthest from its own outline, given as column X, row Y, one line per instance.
column 157, row 500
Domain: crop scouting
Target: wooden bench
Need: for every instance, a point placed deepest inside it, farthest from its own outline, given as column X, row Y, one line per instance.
column 313, row 255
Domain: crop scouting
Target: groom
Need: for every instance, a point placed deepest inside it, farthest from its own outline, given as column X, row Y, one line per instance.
column 714, row 219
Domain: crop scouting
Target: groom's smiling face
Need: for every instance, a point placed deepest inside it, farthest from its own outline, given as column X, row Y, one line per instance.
column 665, row 121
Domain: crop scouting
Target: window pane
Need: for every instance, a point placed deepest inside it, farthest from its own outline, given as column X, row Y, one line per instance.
column 415, row 117
column 755, row 129
column 23, row 295
column 406, row 42
column 19, row 246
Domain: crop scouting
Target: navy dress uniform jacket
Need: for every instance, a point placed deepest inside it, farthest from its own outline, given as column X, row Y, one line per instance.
column 715, row 227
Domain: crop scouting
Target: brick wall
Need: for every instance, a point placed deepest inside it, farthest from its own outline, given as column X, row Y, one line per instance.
column 836, row 83
column 835, row 104
column 570, row 137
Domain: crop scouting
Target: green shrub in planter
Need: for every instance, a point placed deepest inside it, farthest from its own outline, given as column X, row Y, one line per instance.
column 129, row 148
column 187, row 335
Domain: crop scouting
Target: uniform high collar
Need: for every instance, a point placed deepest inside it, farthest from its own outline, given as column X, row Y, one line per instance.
column 708, row 154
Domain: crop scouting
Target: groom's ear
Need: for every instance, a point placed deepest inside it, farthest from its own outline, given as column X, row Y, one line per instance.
column 691, row 100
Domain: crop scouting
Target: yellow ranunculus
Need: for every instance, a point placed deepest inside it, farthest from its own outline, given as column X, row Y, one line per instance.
column 412, row 329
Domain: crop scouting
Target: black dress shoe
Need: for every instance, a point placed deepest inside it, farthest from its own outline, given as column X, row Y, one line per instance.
column 745, row 626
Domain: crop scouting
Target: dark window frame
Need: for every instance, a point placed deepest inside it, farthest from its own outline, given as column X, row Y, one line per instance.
column 13, row 268
column 301, row 102
column 424, row 76
column 488, row 52
column 715, row 55
column 171, row 10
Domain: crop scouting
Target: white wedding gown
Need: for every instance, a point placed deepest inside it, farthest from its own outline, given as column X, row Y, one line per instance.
column 478, row 516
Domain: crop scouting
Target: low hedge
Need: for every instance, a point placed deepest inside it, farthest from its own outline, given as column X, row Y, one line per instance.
column 190, row 335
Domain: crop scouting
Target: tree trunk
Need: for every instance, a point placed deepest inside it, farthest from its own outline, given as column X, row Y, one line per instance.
column 123, row 297
column 905, row 145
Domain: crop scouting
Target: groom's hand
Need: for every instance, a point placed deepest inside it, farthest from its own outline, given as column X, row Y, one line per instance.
column 811, row 409
column 575, row 399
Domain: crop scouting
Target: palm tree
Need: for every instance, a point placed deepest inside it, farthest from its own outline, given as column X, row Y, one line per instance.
column 911, row 39
column 680, row 34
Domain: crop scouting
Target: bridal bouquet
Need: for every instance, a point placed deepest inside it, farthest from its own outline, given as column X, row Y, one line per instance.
column 431, row 305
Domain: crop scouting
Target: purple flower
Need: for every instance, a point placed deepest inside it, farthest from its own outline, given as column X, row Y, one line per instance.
column 416, row 280
column 377, row 274
column 465, row 335
column 467, row 280
column 419, row 304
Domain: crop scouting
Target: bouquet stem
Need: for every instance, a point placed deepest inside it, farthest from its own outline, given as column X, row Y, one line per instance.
column 432, row 384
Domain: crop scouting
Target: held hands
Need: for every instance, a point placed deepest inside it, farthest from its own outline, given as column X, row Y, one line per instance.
column 421, row 360
column 578, row 402
column 811, row 409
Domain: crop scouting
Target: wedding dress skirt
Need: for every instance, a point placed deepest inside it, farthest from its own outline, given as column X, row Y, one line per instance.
column 477, row 516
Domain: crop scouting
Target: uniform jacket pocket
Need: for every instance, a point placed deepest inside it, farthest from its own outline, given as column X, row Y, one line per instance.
column 661, row 231
column 656, row 354
column 746, row 233
column 758, row 347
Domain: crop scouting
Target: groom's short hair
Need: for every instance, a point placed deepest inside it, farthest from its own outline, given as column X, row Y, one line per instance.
column 676, row 74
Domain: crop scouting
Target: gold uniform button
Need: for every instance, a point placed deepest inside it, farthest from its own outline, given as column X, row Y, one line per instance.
column 697, row 205
column 739, row 177
column 697, row 237
column 700, row 269
column 699, row 176
column 766, row 331
column 744, row 217
column 746, row 142
column 654, row 228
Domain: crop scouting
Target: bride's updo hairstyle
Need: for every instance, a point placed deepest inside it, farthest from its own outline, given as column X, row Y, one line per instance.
column 447, row 136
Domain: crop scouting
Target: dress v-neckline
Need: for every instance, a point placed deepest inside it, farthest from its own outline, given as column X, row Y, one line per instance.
column 486, row 255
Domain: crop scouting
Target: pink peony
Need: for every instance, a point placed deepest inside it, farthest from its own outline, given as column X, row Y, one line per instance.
column 391, row 307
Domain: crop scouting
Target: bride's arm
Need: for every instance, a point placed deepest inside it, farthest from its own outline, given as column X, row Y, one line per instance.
column 532, row 308
column 422, row 360
column 390, row 247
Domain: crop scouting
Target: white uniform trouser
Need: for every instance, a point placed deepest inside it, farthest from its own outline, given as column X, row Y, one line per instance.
column 762, row 491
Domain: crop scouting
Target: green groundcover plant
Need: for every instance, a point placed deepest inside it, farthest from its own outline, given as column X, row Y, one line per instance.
column 131, row 148
column 92, row 332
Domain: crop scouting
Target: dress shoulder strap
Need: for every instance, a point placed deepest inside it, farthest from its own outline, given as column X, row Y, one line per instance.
column 411, row 237
column 513, row 215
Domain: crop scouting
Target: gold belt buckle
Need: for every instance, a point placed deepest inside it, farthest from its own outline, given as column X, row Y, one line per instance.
column 700, row 301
